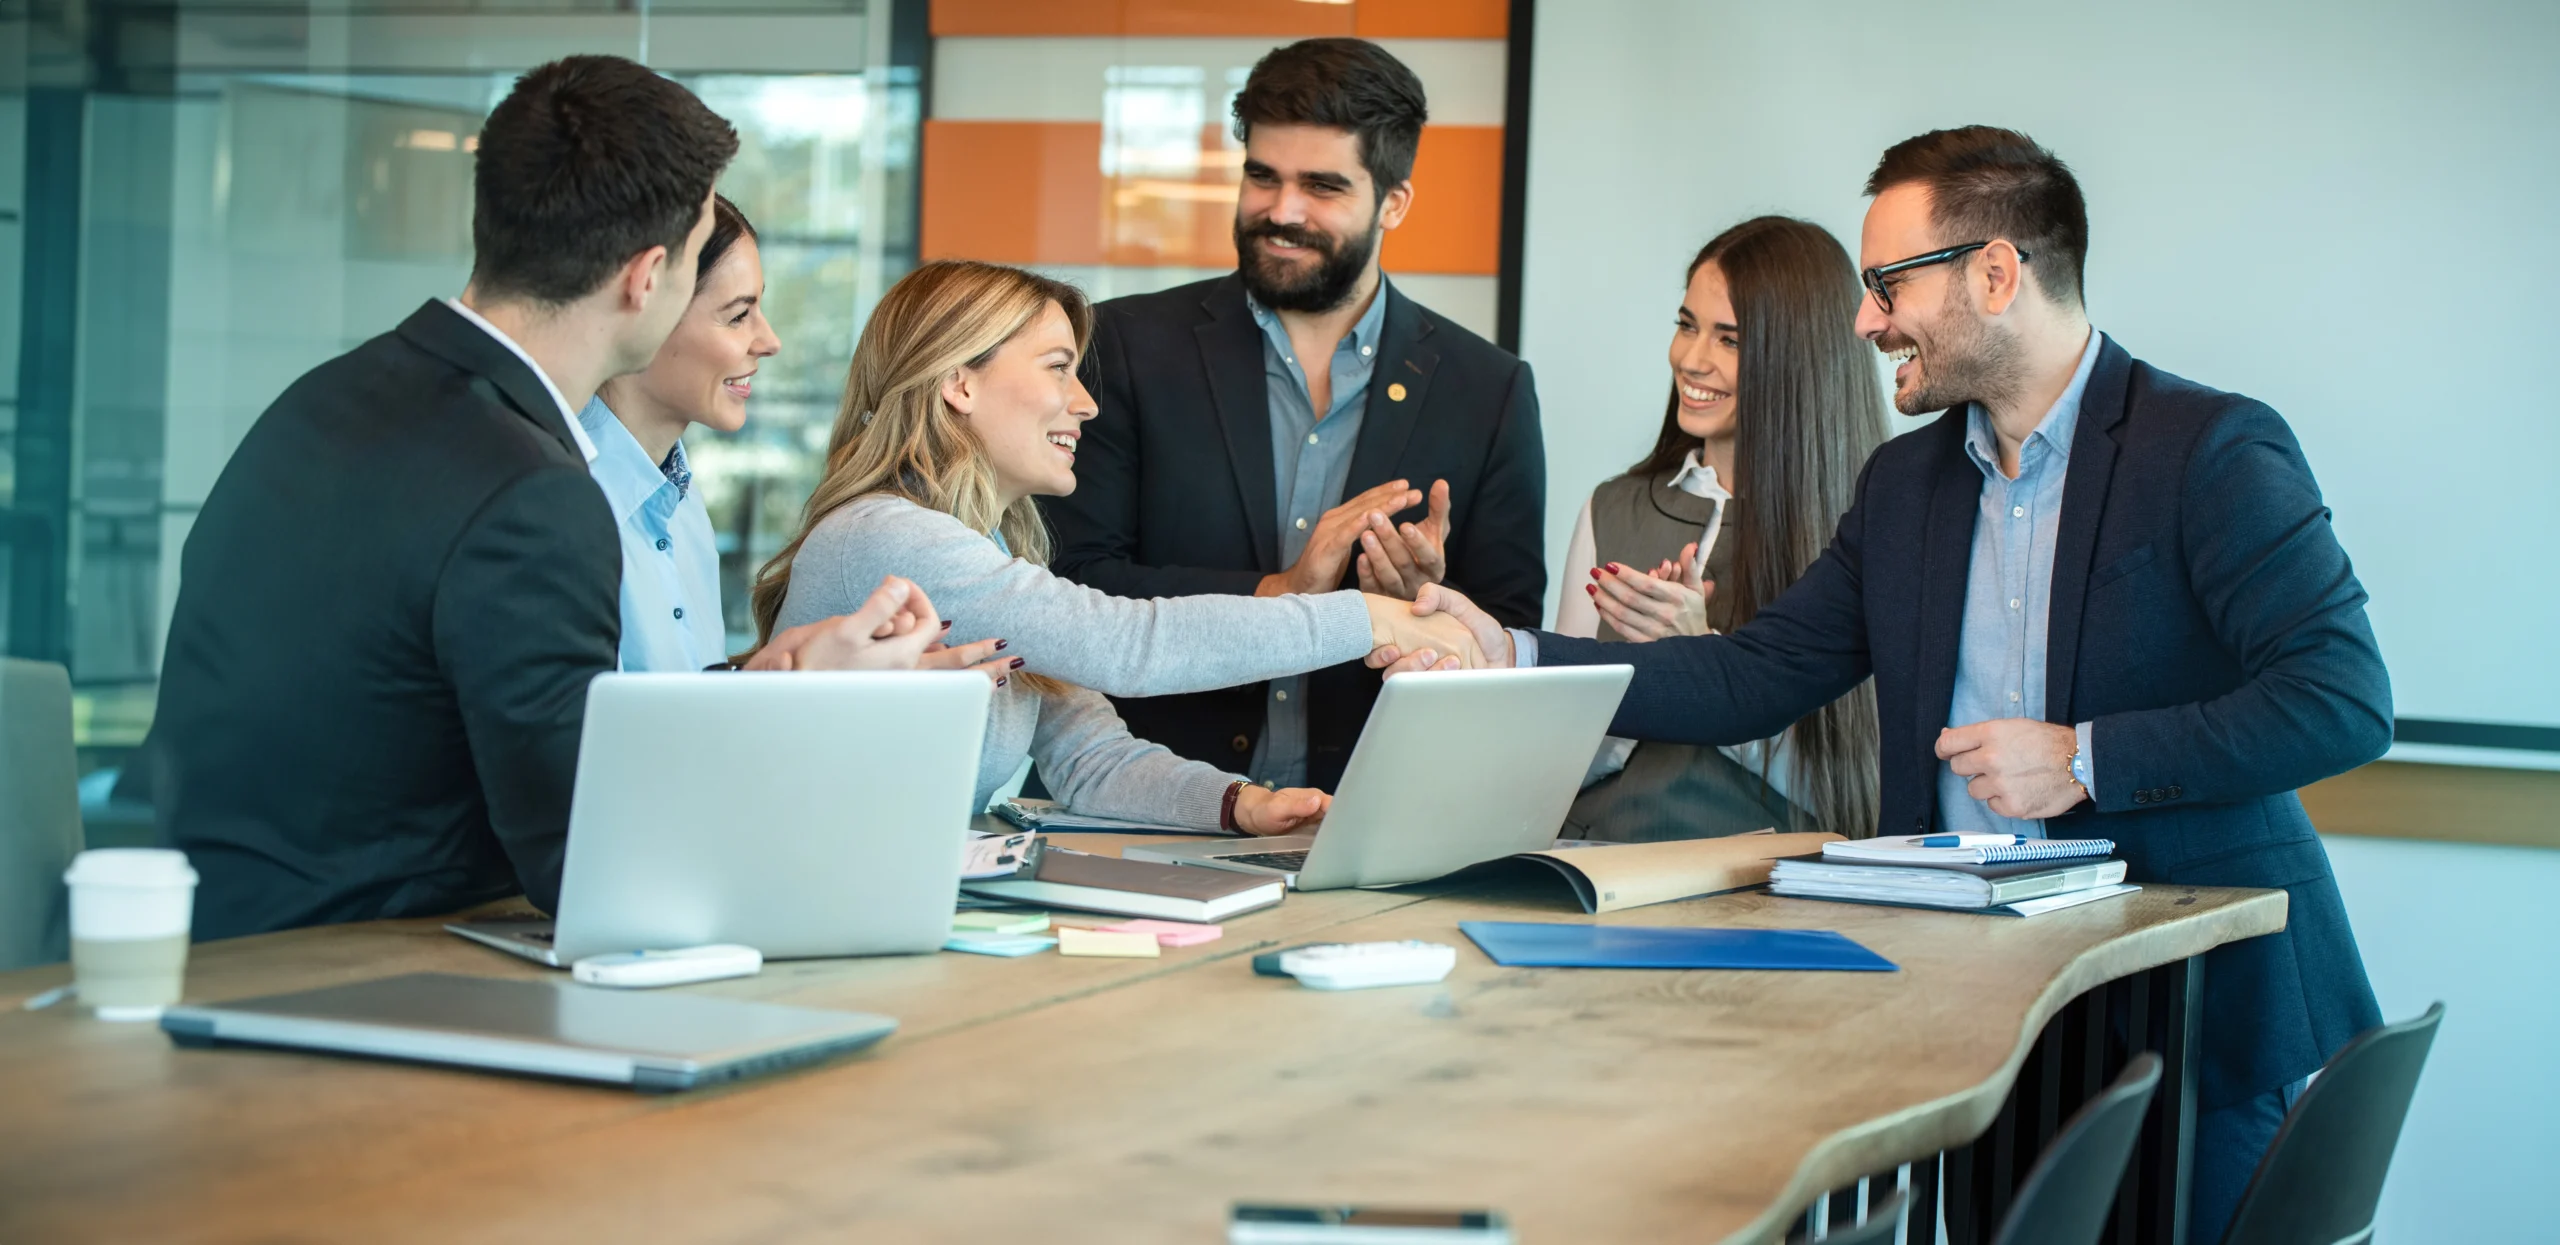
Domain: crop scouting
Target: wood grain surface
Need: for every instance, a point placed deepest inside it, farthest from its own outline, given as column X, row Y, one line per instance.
column 1058, row 1099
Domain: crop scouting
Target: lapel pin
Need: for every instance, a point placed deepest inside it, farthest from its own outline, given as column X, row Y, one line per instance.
column 1395, row 393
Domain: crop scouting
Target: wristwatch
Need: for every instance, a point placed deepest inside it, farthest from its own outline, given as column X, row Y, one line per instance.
column 2077, row 766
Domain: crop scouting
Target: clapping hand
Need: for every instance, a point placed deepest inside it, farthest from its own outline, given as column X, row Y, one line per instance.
column 1398, row 561
column 1669, row 600
column 1327, row 553
column 896, row 629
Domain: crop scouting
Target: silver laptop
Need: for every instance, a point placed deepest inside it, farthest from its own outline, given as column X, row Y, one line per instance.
column 1452, row 769
column 804, row 814
column 650, row 1041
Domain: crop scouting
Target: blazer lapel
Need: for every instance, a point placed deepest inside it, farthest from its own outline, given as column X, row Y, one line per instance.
column 1946, row 562
column 441, row 331
column 1231, row 351
column 1398, row 386
column 2084, row 503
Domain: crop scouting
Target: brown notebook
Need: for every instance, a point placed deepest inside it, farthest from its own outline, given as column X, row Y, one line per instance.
column 1611, row 876
column 1068, row 879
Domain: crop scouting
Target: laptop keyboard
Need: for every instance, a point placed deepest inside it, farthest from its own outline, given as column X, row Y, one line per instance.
column 1289, row 862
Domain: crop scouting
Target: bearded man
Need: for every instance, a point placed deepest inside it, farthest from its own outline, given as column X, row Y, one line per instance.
column 1264, row 432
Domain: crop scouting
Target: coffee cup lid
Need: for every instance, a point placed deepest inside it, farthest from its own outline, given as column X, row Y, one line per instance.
column 130, row 866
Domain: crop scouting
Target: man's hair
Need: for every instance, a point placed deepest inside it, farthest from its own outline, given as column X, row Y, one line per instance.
column 1987, row 183
column 589, row 161
column 1344, row 84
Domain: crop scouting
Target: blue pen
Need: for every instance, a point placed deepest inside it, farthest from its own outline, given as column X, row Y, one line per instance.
column 1969, row 840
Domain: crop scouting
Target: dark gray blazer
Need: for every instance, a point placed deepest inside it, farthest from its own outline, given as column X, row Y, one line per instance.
column 1174, row 491
column 2204, row 618
column 393, row 601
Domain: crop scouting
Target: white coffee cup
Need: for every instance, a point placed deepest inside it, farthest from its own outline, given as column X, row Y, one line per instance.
column 131, row 908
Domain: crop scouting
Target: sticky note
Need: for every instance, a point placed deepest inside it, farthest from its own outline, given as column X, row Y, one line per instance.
column 1168, row 933
column 1073, row 941
column 980, row 943
column 1001, row 922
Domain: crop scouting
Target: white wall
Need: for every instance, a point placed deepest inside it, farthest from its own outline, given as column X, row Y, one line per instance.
column 2473, row 927
column 2341, row 209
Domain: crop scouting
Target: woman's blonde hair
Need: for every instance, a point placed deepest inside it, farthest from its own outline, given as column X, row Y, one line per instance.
column 895, row 435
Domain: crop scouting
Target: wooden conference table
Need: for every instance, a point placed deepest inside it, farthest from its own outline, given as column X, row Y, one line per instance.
column 1054, row 1099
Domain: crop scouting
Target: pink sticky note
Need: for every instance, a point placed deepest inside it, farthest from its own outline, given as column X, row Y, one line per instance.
column 1168, row 933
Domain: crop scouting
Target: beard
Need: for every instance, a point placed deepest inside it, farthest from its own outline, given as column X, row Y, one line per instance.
column 1965, row 360
column 1281, row 287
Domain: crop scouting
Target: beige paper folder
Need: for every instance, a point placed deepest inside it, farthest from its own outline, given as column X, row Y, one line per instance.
column 1614, row 876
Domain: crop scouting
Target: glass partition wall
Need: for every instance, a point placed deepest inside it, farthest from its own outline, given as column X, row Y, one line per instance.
column 198, row 203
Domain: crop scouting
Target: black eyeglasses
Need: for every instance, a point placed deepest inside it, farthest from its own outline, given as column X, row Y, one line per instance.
column 1874, row 277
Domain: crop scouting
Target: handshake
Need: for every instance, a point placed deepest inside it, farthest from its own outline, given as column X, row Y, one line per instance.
column 1437, row 630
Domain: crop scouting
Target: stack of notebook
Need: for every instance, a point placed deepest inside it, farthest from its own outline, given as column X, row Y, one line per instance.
column 2007, row 874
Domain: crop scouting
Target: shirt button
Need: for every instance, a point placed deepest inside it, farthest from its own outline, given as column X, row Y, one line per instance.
column 2013, row 698
column 1302, row 525
column 2017, row 512
column 2013, row 603
column 662, row 544
column 679, row 611
column 1311, row 438
column 1280, row 695
column 1364, row 352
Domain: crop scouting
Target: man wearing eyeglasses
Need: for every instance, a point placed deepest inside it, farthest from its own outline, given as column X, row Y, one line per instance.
column 2098, row 601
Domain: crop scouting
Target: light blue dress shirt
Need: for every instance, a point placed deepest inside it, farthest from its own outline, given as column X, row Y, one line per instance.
column 2008, row 595
column 1311, row 464
column 670, row 571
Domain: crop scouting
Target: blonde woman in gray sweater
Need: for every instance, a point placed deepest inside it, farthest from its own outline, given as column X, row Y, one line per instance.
column 962, row 405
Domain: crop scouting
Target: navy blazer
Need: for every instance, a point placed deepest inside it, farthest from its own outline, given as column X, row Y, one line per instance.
column 2205, row 620
column 1175, row 493
column 377, row 671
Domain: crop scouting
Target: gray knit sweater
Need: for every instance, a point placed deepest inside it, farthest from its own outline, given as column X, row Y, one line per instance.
column 1097, row 642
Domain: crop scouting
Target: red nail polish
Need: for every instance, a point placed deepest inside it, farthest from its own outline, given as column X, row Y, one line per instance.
column 1002, row 644
column 1595, row 572
column 946, row 624
column 1000, row 682
column 1017, row 664
column 1593, row 589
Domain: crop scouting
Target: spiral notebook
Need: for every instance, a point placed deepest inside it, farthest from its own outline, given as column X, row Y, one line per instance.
column 1905, row 849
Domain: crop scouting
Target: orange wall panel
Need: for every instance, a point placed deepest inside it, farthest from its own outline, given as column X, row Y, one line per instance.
column 1032, row 192
column 1013, row 192
column 1431, row 19
column 1278, row 18
column 1456, row 222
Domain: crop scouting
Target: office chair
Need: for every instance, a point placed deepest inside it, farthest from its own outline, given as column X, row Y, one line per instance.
column 2322, row 1176
column 2065, row 1198
column 39, row 812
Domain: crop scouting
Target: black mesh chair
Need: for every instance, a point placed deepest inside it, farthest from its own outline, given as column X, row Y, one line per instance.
column 2322, row 1176
column 2064, row 1200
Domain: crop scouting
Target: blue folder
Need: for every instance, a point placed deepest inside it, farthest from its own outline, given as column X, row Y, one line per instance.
column 1541, row 944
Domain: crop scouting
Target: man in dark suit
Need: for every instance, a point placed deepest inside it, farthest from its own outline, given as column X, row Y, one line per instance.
column 1260, row 432
column 2098, row 601
column 397, row 592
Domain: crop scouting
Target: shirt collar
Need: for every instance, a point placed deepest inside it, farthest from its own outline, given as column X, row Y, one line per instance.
column 2056, row 429
column 1364, row 332
column 586, row 445
column 1697, row 479
column 621, row 468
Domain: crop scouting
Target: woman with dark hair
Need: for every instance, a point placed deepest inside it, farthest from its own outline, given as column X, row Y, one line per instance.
column 702, row 375
column 1774, row 405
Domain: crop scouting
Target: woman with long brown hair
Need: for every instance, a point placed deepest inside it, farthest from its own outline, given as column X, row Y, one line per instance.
column 962, row 406
column 1774, row 406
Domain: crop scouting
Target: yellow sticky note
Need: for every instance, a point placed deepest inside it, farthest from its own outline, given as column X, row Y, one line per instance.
column 1073, row 941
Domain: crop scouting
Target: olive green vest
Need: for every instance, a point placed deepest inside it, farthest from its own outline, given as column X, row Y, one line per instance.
column 1669, row 791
